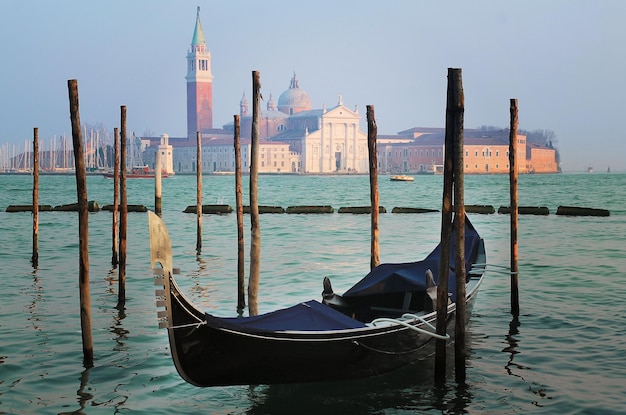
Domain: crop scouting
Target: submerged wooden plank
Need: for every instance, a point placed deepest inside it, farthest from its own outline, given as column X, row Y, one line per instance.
column 360, row 209
column 310, row 209
column 28, row 208
column 266, row 209
column 525, row 210
column 581, row 211
column 92, row 206
column 210, row 209
column 412, row 210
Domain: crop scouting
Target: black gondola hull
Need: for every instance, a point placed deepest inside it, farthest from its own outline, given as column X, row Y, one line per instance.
column 210, row 356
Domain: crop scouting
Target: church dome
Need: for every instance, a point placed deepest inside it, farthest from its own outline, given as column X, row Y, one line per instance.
column 294, row 100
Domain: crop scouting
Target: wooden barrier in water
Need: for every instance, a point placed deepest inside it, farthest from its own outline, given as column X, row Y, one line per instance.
column 412, row 210
column 581, row 211
column 28, row 208
column 360, row 209
column 309, row 209
column 483, row 209
column 525, row 210
column 266, row 209
column 209, row 209
column 130, row 208
column 92, row 206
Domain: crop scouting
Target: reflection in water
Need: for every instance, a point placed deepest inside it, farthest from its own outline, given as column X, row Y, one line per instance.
column 111, row 278
column 512, row 367
column 120, row 333
column 408, row 389
column 198, row 290
column 83, row 396
column 37, row 293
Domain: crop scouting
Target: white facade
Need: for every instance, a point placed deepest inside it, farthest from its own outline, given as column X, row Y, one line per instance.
column 165, row 150
column 339, row 146
column 218, row 156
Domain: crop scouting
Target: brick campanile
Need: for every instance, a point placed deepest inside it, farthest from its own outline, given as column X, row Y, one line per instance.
column 199, row 84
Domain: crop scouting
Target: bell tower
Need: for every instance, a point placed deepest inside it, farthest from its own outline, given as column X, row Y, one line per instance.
column 199, row 84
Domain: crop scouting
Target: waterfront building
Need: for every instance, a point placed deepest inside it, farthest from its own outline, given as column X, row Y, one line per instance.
column 296, row 138
column 421, row 150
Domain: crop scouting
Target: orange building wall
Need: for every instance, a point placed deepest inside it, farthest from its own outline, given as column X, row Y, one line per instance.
column 542, row 160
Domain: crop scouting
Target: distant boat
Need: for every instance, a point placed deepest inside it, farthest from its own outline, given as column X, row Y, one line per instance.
column 401, row 178
column 139, row 172
column 589, row 169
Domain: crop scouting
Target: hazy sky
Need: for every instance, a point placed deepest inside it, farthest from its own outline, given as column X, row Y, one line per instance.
column 563, row 61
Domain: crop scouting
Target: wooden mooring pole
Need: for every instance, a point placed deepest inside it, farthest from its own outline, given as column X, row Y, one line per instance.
column 446, row 232
column 116, row 195
column 372, row 132
column 514, row 207
column 198, row 191
column 255, row 233
column 241, row 295
column 83, row 226
column 460, row 352
column 35, row 257
column 121, row 293
column 158, row 184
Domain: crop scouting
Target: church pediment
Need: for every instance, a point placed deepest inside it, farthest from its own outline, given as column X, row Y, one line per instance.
column 341, row 111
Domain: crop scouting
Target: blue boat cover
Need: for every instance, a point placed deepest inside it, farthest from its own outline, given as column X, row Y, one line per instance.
column 308, row 316
column 411, row 276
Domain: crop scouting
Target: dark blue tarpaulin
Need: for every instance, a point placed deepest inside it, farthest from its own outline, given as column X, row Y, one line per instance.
column 411, row 276
column 308, row 316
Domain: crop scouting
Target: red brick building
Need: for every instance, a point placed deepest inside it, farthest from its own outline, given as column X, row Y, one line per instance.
column 421, row 150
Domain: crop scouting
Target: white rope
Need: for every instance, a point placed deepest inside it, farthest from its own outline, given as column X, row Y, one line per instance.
column 182, row 326
column 410, row 326
column 482, row 267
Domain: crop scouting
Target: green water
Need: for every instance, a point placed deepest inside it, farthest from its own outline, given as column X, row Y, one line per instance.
column 566, row 356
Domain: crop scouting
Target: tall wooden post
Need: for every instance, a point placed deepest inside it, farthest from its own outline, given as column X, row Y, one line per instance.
column 116, row 195
column 514, row 207
column 157, row 183
column 83, row 225
column 255, row 232
column 372, row 132
column 446, row 232
column 198, row 191
column 241, row 296
column 459, row 226
column 35, row 257
column 121, row 293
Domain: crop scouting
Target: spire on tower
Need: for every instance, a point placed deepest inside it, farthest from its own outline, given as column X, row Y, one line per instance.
column 198, row 34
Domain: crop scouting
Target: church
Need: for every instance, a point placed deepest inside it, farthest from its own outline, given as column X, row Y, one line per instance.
column 296, row 138
column 293, row 137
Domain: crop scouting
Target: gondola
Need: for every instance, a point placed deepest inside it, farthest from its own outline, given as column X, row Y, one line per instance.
column 384, row 322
